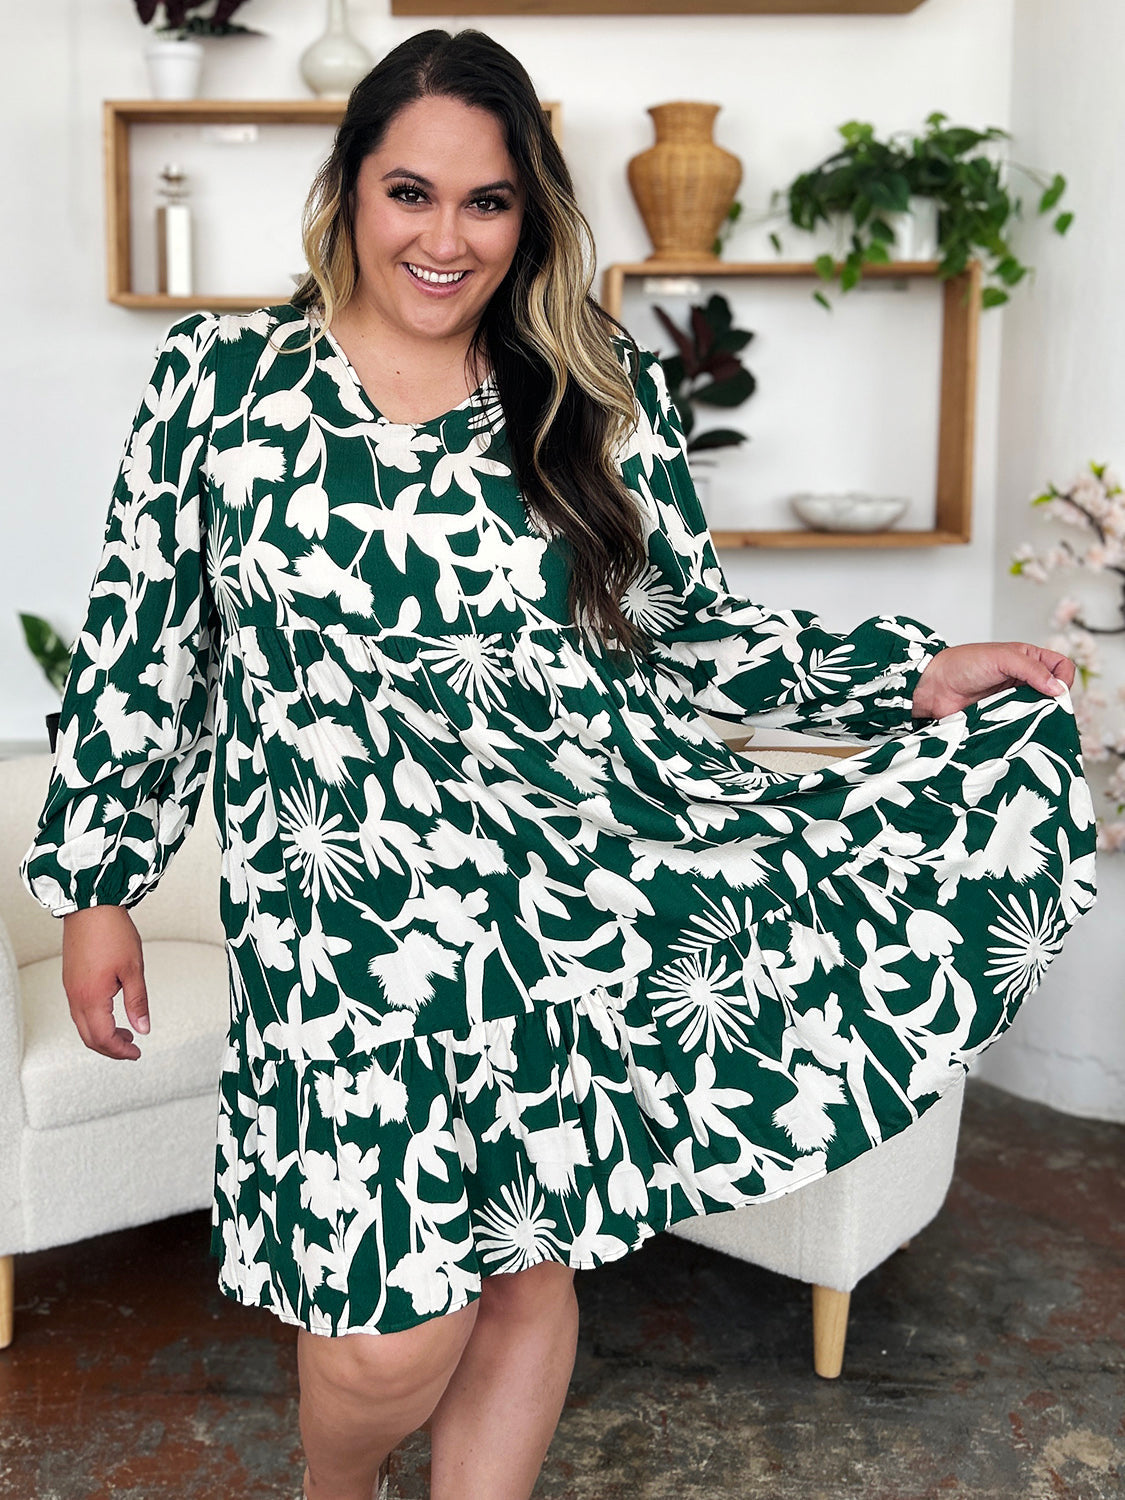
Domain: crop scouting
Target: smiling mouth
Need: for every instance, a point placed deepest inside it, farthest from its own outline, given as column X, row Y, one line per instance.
column 434, row 278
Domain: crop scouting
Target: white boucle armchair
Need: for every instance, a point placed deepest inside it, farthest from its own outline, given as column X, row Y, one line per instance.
column 89, row 1143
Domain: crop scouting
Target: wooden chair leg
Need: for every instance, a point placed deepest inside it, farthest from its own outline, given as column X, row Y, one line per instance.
column 830, row 1329
column 7, row 1298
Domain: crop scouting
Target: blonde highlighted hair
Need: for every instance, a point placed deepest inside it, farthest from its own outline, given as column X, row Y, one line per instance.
column 567, row 398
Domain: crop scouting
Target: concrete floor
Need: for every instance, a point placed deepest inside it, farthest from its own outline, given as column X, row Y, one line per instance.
column 988, row 1360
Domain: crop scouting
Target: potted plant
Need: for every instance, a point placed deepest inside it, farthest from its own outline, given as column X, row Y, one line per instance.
column 175, row 59
column 53, row 655
column 706, row 370
column 871, row 185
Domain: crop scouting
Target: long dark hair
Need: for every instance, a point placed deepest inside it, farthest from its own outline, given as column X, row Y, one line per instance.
column 568, row 401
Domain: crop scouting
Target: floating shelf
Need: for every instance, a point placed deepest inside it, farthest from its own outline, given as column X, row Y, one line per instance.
column 653, row 7
column 960, row 328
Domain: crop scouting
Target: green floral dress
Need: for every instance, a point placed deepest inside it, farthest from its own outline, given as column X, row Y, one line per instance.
column 525, row 963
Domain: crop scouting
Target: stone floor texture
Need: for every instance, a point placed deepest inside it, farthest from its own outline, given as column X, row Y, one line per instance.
column 987, row 1360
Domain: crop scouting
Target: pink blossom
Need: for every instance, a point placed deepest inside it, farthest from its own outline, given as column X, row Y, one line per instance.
column 1093, row 747
column 1088, row 491
column 1111, row 837
column 1096, row 557
column 1066, row 610
column 1062, row 510
column 1084, row 650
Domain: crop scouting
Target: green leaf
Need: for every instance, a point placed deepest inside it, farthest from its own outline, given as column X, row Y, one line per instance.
column 823, row 300
column 48, row 648
column 717, row 437
column 1053, row 193
column 1017, row 567
column 857, row 132
column 1063, row 223
column 992, row 296
column 733, row 340
column 1010, row 271
column 825, row 267
column 877, row 253
column 1042, row 499
column 955, row 261
column 849, row 275
column 730, row 392
column 718, row 313
column 775, row 242
column 892, row 194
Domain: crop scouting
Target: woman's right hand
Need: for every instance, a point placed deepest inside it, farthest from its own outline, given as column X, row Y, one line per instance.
column 101, row 955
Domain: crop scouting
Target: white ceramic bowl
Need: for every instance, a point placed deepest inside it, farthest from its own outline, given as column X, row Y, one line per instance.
column 851, row 512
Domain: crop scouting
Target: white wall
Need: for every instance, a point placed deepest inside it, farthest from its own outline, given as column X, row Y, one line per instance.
column 72, row 365
column 1062, row 403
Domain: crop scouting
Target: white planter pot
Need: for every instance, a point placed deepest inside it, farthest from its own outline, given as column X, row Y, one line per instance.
column 701, row 472
column 174, row 68
column 916, row 231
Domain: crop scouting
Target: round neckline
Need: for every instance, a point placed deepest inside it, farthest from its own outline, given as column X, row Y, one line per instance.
column 471, row 399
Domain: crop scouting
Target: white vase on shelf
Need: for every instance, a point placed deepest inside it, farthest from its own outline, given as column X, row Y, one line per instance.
column 174, row 67
column 335, row 62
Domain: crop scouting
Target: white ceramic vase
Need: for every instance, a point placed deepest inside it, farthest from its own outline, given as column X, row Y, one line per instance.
column 335, row 62
column 174, row 67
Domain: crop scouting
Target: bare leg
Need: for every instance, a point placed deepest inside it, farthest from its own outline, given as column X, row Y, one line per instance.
column 361, row 1393
column 490, row 1431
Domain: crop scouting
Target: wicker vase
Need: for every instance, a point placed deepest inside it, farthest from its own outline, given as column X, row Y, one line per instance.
column 684, row 184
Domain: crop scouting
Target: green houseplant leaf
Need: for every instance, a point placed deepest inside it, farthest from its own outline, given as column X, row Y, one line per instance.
column 48, row 648
column 706, row 369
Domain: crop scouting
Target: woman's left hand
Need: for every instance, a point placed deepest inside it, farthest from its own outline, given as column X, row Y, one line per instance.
column 960, row 675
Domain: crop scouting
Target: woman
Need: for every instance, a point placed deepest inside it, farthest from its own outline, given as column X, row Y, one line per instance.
column 525, row 963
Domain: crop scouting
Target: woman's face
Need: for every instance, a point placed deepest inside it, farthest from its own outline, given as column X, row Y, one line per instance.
column 438, row 196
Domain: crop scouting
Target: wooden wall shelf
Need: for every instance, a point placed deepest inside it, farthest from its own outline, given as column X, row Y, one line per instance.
column 960, row 326
column 653, row 7
column 118, row 118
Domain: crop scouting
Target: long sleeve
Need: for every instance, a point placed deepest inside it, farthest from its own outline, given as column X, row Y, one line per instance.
column 136, row 727
column 735, row 659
